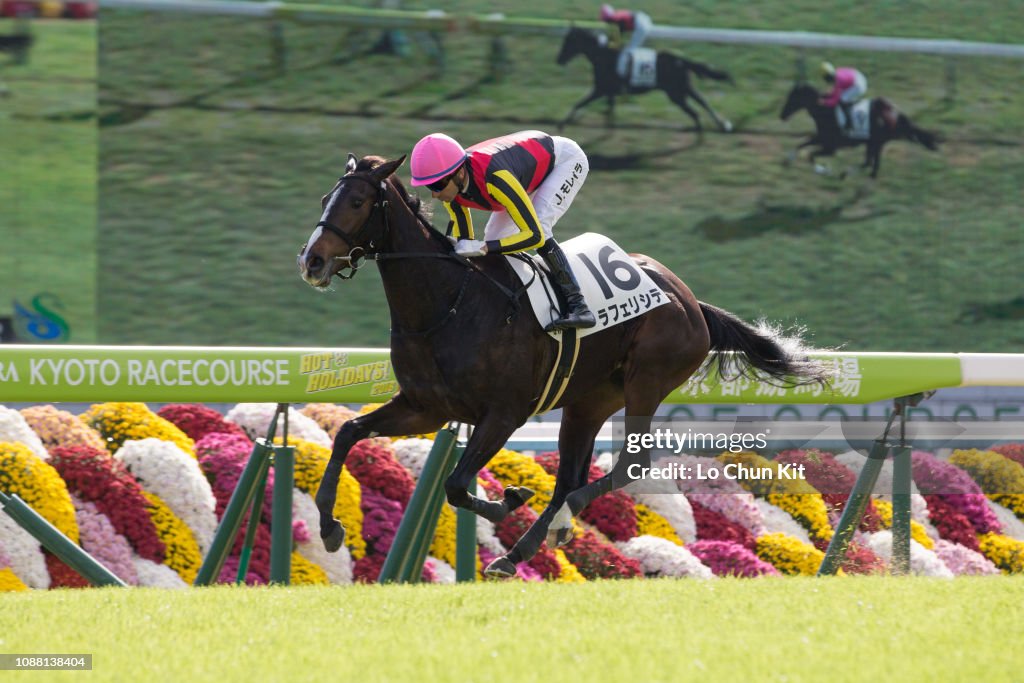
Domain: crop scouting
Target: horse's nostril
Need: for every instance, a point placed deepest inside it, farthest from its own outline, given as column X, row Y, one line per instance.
column 314, row 263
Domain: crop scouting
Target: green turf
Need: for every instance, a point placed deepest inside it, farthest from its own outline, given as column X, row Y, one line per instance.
column 213, row 163
column 847, row 629
column 48, row 177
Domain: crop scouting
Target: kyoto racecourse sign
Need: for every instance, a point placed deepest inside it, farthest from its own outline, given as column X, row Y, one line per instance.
column 30, row 373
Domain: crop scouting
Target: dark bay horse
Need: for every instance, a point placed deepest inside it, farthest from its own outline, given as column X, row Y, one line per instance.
column 886, row 123
column 460, row 353
column 673, row 77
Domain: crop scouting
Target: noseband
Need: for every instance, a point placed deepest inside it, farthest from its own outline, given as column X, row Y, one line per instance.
column 357, row 254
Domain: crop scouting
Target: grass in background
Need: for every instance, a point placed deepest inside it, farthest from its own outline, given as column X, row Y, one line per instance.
column 213, row 164
column 48, row 175
column 793, row 629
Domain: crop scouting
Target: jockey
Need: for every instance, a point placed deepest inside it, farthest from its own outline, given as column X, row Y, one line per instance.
column 637, row 22
column 848, row 86
column 528, row 180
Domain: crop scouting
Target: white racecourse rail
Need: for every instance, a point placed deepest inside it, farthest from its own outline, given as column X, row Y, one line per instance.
column 499, row 24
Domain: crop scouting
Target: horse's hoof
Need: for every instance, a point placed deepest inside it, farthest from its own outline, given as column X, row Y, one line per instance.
column 559, row 537
column 727, row 126
column 515, row 496
column 333, row 536
column 501, row 568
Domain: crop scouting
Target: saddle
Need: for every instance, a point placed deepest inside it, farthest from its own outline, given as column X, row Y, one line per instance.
column 861, row 128
column 642, row 67
column 615, row 289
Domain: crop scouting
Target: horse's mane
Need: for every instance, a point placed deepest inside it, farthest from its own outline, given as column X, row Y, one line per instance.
column 420, row 210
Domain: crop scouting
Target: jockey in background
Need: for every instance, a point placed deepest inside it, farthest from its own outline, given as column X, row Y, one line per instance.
column 528, row 180
column 637, row 22
column 848, row 86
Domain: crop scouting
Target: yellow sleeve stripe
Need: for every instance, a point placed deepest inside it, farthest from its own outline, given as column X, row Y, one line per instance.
column 462, row 219
column 509, row 192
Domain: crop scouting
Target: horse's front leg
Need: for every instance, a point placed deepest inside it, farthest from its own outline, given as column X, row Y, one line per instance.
column 579, row 105
column 490, row 435
column 795, row 152
column 397, row 417
column 821, row 169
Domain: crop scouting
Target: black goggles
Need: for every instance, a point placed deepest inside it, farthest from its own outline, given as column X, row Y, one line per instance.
column 439, row 185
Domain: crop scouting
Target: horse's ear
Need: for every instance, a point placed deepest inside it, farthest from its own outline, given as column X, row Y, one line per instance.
column 387, row 168
column 351, row 165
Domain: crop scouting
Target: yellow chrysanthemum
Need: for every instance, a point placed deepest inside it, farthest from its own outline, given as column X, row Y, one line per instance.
column 443, row 545
column 307, row 573
column 310, row 462
column 569, row 573
column 515, row 469
column 917, row 530
column 789, row 555
column 120, row 422
column 36, row 482
column 10, row 583
column 183, row 555
column 650, row 523
column 1000, row 478
column 796, row 496
column 1005, row 552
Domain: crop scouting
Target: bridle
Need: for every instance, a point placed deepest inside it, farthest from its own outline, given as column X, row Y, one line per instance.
column 357, row 254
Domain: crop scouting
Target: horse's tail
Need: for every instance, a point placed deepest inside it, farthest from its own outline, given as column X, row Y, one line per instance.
column 762, row 352
column 705, row 71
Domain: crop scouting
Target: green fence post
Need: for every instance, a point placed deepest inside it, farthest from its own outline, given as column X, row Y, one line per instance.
column 465, row 545
column 255, row 508
column 54, row 540
column 901, row 510
column 417, row 523
column 240, row 501
column 281, row 520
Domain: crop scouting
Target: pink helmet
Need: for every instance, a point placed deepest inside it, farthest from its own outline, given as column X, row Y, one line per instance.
column 434, row 157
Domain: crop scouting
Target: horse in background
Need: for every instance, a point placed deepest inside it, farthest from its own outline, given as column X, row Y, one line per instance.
column 462, row 350
column 885, row 123
column 673, row 76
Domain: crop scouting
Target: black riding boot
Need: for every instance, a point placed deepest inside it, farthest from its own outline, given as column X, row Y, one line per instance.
column 578, row 314
column 848, row 117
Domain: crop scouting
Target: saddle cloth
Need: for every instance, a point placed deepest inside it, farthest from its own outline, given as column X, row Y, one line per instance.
column 861, row 129
column 615, row 289
column 643, row 72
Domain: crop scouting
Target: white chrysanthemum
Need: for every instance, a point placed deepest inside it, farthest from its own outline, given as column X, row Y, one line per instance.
column 255, row 419
column 162, row 468
column 412, row 454
column 777, row 520
column 662, row 497
column 338, row 565
column 1012, row 527
column 14, row 429
column 156, row 575
column 25, row 554
column 605, row 461
column 443, row 572
column 661, row 557
column 923, row 562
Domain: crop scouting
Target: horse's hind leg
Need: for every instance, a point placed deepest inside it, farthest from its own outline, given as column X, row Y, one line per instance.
column 580, row 424
column 489, row 436
column 667, row 352
column 723, row 123
column 395, row 418
column 679, row 98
